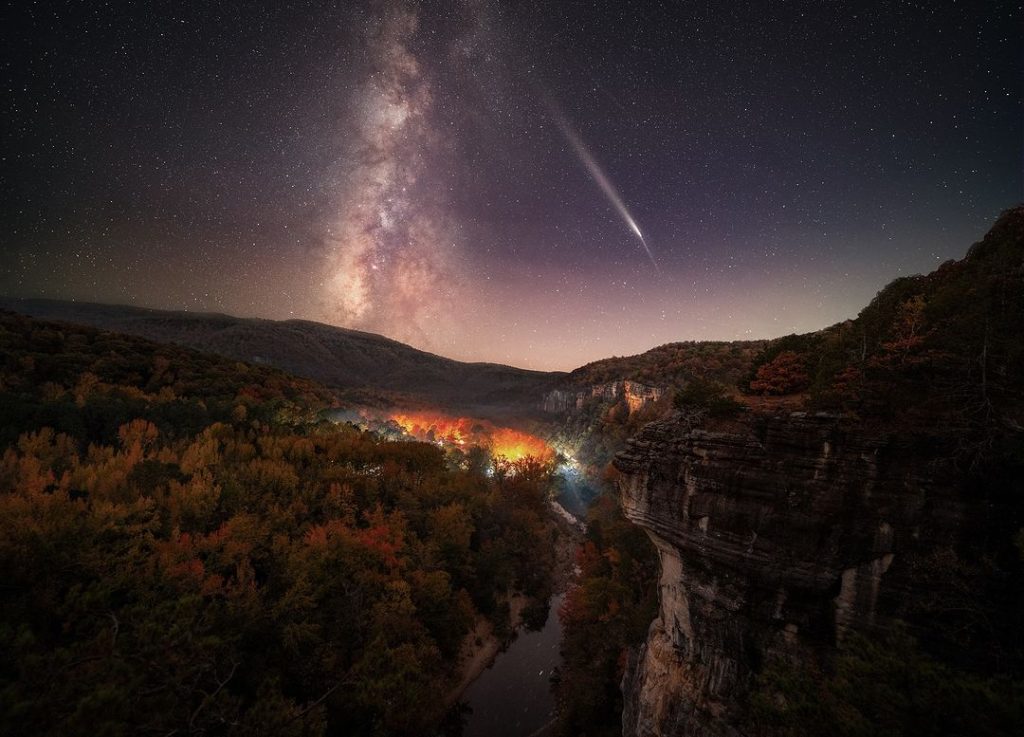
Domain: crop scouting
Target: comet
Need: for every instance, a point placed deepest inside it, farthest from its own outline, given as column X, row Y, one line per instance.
column 593, row 168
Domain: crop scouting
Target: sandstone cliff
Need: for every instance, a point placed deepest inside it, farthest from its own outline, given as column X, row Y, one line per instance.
column 777, row 536
column 635, row 393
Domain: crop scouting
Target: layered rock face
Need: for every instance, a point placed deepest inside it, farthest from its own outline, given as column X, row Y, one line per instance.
column 776, row 538
column 635, row 394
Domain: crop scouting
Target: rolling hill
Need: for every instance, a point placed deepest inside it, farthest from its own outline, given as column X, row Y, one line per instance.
column 369, row 367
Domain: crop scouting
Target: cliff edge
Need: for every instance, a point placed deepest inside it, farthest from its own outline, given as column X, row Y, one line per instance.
column 894, row 505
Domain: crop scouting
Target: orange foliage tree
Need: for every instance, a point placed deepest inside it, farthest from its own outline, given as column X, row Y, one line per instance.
column 784, row 374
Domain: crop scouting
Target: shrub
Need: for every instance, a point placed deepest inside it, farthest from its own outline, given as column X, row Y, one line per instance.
column 709, row 396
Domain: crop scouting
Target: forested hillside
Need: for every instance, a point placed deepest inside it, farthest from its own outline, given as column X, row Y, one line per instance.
column 674, row 364
column 186, row 549
column 946, row 344
column 369, row 368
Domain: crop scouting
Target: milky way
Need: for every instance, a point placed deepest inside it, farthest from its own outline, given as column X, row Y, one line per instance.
column 392, row 256
column 392, row 166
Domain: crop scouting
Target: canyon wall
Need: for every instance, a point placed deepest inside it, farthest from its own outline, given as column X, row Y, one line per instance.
column 777, row 535
column 636, row 395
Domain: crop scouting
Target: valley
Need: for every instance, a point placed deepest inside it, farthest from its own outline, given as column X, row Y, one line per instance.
column 787, row 508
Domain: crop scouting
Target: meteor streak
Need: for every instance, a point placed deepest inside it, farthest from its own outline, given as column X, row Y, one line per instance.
column 597, row 173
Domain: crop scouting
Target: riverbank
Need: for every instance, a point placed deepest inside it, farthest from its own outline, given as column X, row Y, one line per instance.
column 570, row 535
column 482, row 646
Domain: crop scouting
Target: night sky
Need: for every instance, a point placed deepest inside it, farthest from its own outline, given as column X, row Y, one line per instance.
column 535, row 183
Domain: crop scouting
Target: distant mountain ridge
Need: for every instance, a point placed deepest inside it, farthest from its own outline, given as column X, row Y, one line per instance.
column 337, row 357
column 374, row 369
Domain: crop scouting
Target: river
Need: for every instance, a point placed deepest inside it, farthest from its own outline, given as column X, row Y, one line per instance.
column 513, row 697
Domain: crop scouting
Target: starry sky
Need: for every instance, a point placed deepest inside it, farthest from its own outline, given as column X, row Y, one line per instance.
column 535, row 183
